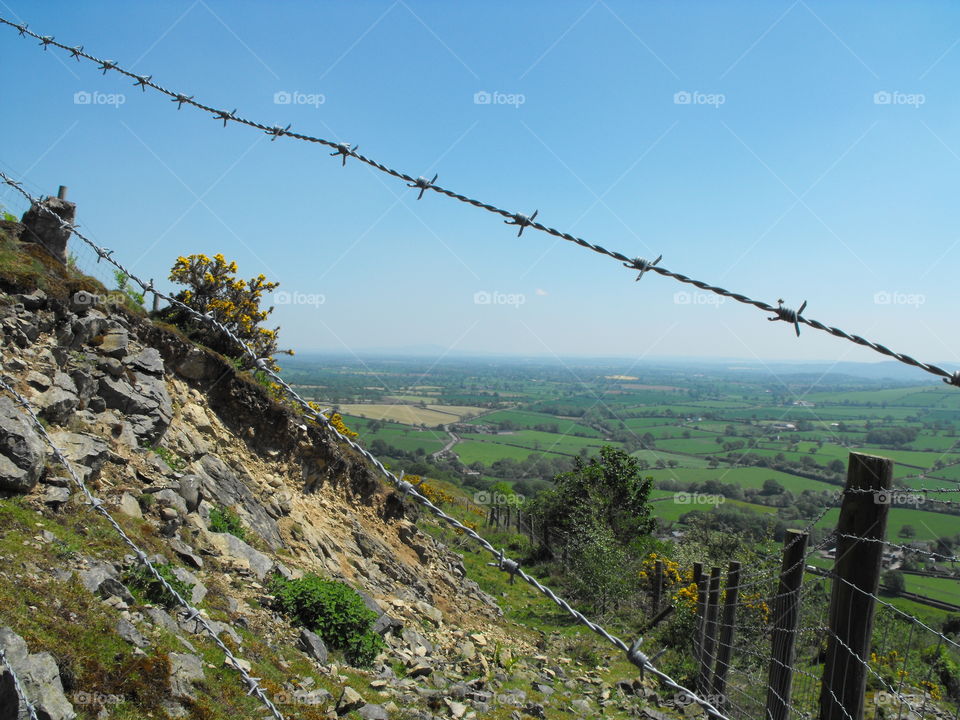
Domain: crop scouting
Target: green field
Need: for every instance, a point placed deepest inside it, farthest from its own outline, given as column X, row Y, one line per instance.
column 945, row 589
column 929, row 525
column 749, row 477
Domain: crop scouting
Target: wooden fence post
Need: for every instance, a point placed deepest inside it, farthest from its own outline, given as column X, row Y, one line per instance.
column 786, row 619
column 726, row 630
column 863, row 514
column 657, row 587
column 709, row 630
column 699, row 580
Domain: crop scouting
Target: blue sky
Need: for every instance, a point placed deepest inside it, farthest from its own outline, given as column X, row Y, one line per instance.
column 803, row 150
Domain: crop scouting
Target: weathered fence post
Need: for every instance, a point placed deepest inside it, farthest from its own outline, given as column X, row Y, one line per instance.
column 700, row 581
column 728, row 621
column 655, row 598
column 709, row 630
column 786, row 619
column 62, row 192
column 863, row 514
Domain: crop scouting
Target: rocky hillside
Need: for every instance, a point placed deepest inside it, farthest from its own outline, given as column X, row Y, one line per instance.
column 224, row 487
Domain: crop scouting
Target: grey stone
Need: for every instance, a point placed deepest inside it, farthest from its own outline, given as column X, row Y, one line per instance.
column 147, row 361
column 85, row 452
column 238, row 550
column 56, row 496
column 582, row 706
column 190, row 491
column 96, row 574
column 312, row 645
column 41, row 226
column 222, row 486
column 373, row 712
column 198, row 366
column 87, row 327
column 129, row 506
column 185, row 552
column 385, row 623
column 60, row 400
column 147, row 397
column 40, row 678
column 185, row 671
column 349, row 700
column 111, row 586
column 22, row 452
column 127, row 631
column 85, row 385
column 421, row 669
column 110, row 366
column 34, row 301
column 413, row 638
column 38, row 381
column 171, row 499
column 115, row 343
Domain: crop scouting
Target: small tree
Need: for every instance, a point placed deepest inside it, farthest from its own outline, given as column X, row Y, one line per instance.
column 894, row 581
column 214, row 289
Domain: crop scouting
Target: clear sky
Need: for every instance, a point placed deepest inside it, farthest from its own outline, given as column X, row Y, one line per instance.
column 803, row 150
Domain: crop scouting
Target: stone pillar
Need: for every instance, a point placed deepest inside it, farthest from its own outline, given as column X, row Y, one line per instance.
column 41, row 227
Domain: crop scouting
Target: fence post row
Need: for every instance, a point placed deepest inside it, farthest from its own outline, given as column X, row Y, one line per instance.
column 786, row 620
column 709, row 630
column 698, row 580
column 728, row 621
column 863, row 514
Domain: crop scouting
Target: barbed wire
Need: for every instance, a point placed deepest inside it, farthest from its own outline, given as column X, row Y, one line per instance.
column 344, row 150
column 98, row 506
column 18, row 686
column 906, row 548
column 407, row 489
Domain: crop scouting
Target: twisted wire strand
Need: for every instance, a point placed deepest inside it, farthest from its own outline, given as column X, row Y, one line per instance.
column 344, row 150
column 633, row 653
column 98, row 506
column 18, row 686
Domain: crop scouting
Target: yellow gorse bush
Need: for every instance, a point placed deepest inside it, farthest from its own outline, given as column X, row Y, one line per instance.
column 335, row 420
column 213, row 288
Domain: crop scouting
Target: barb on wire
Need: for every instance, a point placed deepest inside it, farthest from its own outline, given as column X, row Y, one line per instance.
column 643, row 265
column 98, row 506
column 423, row 184
column 17, row 685
column 512, row 218
column 405, row 487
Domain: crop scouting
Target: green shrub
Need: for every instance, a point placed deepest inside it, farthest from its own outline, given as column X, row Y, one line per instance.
column 140, row 578
column 334, row 611
column 223, row 519
column 173, row 462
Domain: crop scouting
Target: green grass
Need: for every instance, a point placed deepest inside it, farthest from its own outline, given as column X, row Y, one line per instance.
column 749, row 477
column 945, row 589
column 489, row 452
column 929, row 525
